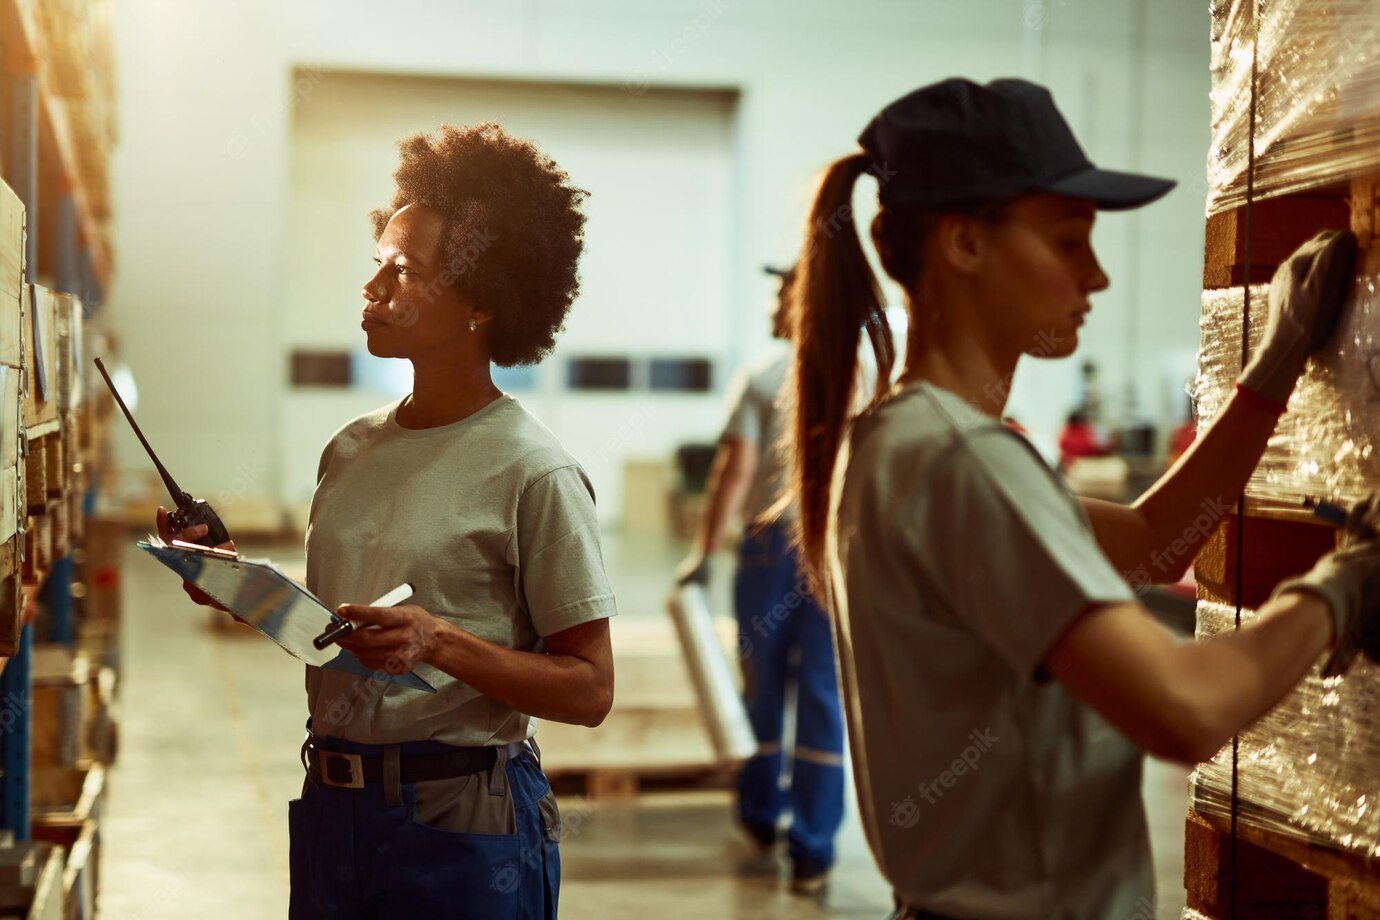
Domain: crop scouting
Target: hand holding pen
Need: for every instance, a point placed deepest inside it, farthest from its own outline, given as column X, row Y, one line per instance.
column 337, row 631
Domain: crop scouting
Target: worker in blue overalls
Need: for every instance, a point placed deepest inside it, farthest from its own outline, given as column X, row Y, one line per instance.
column 785, row 637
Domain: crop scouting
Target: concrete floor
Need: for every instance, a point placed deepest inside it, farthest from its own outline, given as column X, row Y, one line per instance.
column 195, row 821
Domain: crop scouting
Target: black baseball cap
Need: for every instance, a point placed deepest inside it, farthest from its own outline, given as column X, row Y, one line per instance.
column 958, row 142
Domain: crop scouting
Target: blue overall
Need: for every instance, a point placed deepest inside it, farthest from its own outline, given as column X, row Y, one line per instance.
column 776, row 617
column 355, row 857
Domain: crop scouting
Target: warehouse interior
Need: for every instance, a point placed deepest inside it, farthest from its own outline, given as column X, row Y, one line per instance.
column 187, row 195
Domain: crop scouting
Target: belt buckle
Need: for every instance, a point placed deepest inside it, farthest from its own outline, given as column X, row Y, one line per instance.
column 352, row 763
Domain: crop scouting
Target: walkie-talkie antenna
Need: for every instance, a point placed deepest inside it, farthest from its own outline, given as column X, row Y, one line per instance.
column 184, row 500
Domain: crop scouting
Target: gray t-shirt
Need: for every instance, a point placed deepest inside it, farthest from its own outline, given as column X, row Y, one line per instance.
column 759, row 416
column 490, row 520
column 958, row 558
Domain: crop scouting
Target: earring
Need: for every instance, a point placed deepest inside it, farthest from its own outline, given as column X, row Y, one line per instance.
column 474, row 327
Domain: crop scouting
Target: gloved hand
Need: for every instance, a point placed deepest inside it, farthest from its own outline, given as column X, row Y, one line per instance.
column 1305, row 300
column 1348, row 578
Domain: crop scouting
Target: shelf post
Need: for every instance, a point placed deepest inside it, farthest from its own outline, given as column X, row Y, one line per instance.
column 16, row 708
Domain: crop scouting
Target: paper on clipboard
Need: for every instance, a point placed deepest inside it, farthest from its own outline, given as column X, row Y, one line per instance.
column 258, row 592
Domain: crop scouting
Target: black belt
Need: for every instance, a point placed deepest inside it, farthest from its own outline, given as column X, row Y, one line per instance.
column 352, row 771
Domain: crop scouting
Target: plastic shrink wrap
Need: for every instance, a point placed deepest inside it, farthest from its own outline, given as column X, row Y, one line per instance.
column 1307, row 767
column 1324, row 446
column 1317, row 78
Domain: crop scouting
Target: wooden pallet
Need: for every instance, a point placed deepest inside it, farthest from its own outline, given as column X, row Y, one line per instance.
column 1275, row 876
column 654, row 739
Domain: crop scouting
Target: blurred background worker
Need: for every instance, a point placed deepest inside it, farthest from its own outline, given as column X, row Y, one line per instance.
column 785, row 637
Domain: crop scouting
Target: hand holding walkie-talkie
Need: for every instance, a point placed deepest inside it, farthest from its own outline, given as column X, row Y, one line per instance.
column 194, row 520
column 190, row 511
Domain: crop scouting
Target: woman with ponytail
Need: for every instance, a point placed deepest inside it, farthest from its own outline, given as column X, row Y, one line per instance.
column 1001, row 681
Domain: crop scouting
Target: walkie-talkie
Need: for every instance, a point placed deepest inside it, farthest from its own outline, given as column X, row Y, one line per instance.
column 190, row 511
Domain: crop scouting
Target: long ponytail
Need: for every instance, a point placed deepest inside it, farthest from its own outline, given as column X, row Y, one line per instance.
column 834, row 298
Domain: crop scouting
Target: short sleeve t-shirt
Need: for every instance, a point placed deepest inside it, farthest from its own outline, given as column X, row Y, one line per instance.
column 494, row 525
column 957, row 559
column 759, row 416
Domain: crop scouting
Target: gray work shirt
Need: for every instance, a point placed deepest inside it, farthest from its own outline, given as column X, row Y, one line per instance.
column 957, row 559
column 492, row 522
column 759, row 417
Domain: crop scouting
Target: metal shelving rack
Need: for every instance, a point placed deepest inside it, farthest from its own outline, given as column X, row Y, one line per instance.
column 68, row 247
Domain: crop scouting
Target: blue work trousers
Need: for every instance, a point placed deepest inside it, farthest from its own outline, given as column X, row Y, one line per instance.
column 787, row 644
column 354, row 856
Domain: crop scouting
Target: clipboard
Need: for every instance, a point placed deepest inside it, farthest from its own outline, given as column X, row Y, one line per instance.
column 258, row 592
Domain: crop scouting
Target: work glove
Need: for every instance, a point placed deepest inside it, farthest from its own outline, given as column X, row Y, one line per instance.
column 1348, row 578
column 1305, row 300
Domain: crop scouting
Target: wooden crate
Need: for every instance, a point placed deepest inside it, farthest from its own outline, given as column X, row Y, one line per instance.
column 36, row 477
column 101, row 566
column 60, row 720
column 43, row 899
column 55, row 473
column 101, row 733
column 12, row 242
column 13, row 498
column 68, row 318
column 40, row 362
column 38, row 549
column 67, row 795
column 1277, row 549
column 1265, row 875
column 11, row 597
column 67, row 805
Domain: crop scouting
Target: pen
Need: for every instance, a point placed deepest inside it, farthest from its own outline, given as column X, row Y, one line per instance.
column 338, row 631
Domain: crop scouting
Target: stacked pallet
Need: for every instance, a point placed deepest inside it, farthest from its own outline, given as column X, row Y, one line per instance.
column 655, row 737
column 1303, row 781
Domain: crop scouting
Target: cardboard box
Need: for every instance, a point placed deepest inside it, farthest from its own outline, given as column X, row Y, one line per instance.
column 67, row 309
column 59, row 721
column 11, row 467
column 11, row 274
column 40, row 362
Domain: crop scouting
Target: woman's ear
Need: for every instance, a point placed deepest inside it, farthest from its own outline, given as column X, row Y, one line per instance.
column 959, row 242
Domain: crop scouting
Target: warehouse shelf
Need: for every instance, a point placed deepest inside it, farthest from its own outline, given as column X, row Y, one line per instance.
column 25, row 51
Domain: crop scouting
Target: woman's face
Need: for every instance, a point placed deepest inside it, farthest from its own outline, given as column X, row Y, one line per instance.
column 410, row 306
column 1038, row 272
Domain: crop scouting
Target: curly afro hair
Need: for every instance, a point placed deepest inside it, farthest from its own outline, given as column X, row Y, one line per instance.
column 514, row 229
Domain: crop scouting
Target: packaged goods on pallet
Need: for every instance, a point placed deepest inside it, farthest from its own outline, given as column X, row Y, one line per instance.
column 1317, row 111
column 1307, row 768
column 12, row 242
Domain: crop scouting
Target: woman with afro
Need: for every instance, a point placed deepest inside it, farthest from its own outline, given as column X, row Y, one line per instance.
column 420, row 805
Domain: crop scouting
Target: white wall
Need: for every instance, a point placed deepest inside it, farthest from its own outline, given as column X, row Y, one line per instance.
column 202, row 175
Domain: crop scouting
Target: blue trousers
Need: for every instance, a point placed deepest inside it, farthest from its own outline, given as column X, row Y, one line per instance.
column 787, row 644
column 353, row 856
